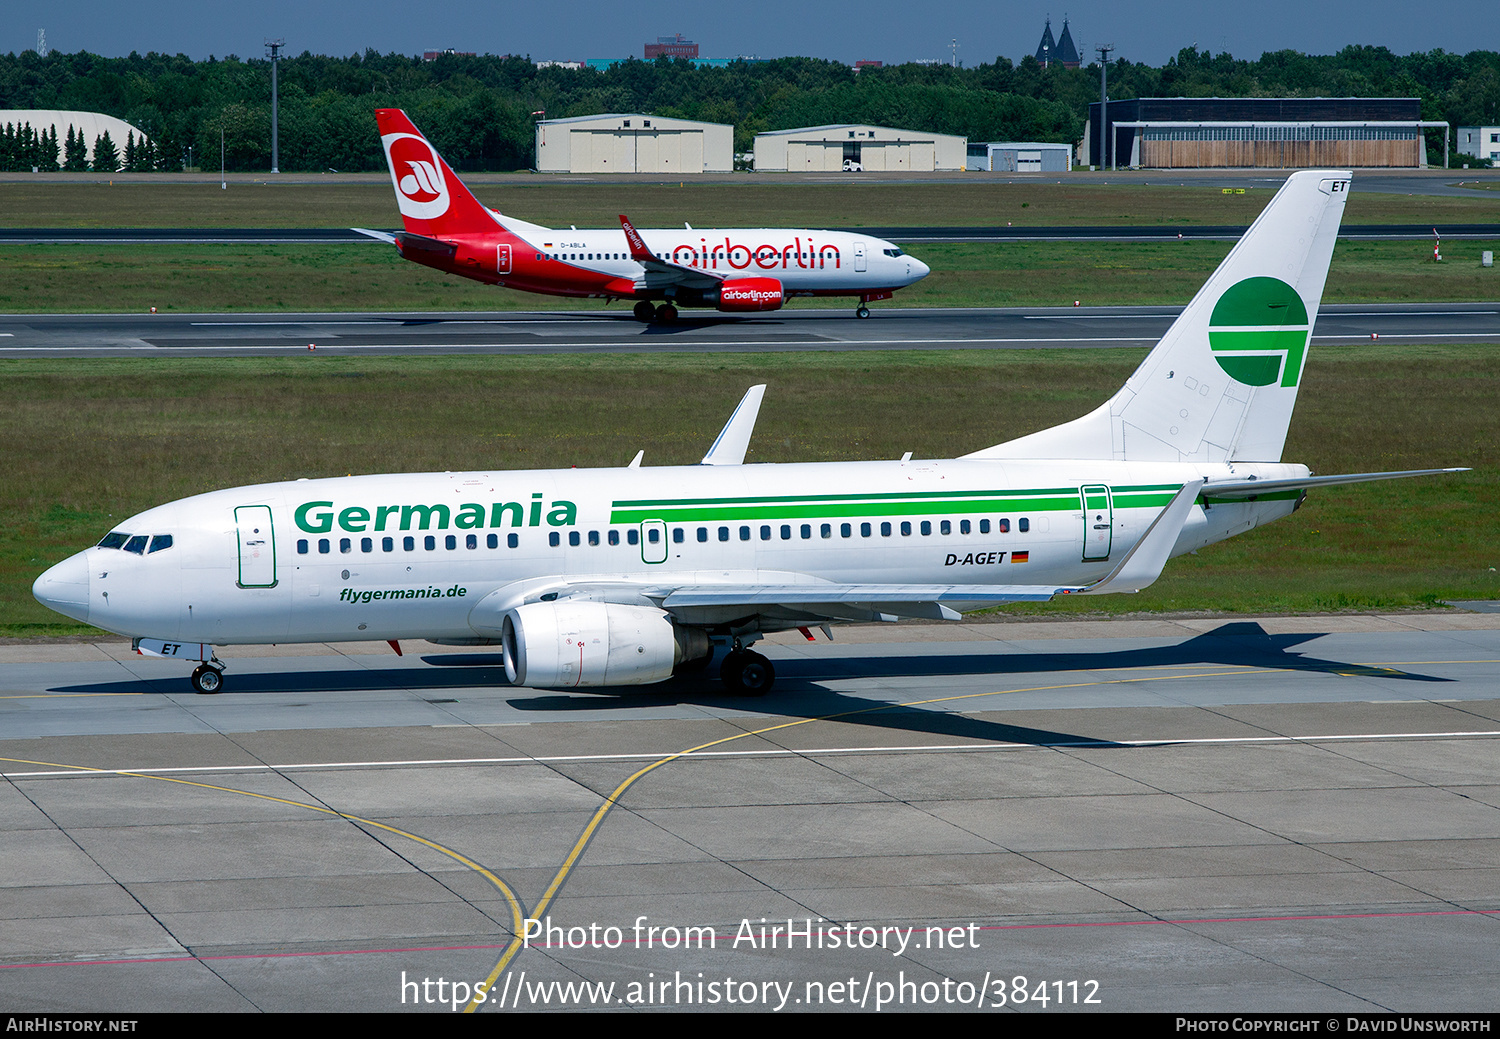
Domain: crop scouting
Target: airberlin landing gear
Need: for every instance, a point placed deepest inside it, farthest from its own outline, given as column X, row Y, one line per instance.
column 666, row 313
column 644, row 311
column 863, row 311
column 208, row 679
column 747, row 673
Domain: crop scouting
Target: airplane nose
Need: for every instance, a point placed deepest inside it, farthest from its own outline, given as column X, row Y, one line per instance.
column 920, row 269
column 65, row 587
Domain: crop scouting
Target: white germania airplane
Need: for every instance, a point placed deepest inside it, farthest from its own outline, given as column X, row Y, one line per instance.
column 742, row 270
column 611, row 577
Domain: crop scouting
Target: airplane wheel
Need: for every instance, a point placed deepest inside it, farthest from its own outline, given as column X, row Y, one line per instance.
column 863, row 311
column 747, row 674
column 644, row 311
column 208, row 680
column 666, row 313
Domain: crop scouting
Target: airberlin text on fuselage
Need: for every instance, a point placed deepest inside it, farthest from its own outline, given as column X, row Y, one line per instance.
column 766, row 257
column 318, row 517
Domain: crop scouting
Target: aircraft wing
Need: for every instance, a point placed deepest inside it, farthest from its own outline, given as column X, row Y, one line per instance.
column 849, row 601
column 667, row 272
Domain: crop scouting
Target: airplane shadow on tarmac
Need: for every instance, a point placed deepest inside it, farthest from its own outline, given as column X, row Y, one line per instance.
column 802, row 683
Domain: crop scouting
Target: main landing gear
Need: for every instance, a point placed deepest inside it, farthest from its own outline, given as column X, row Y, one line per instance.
column 644, row 311
column 208, row 678
column 747, row 673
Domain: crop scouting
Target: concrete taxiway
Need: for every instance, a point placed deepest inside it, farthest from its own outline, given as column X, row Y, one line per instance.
column 1164, row 814
column 547, row 332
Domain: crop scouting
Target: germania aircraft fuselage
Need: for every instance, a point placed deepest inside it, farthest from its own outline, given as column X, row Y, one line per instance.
column 446, row 555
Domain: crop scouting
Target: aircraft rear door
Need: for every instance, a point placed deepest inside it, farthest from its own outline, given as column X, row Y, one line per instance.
column 1098, row 522
column 502, row 259
column 257, row 546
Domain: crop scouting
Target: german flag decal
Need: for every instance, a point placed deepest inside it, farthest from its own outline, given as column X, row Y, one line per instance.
column 1259, row 332
column 1019, row 557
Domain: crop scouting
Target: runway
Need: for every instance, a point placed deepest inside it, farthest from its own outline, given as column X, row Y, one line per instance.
column 1170, row 815
column 562, row 332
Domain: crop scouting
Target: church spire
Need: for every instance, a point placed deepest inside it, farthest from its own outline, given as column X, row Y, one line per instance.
column 1066, row 53
column 1046, row 51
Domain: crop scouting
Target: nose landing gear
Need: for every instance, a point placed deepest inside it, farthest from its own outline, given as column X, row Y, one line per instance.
column 208, row 678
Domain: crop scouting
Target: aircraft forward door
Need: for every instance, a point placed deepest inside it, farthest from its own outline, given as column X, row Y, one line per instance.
column 1098, row 522
column 257, row 546
column 859, row 256
column 653, row 541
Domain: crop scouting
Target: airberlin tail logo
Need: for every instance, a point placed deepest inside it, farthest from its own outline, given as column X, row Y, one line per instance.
column 1259, row 332
column 417, row 172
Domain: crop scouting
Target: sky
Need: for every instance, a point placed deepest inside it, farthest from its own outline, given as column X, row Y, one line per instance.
column 892, row 31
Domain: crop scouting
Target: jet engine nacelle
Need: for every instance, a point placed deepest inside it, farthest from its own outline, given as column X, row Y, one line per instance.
column 574, row 643
column 750, row 294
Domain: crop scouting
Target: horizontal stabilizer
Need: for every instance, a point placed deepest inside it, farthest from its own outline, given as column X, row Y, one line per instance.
column 1255, row 488
column 383, row 236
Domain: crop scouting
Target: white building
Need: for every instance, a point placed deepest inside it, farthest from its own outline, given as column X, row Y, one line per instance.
column 91, row 124
column 633, row 144
column 1482, row 142
column 857, row 147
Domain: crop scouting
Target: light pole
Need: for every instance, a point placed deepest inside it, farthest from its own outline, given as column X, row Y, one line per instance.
column 275, row 48
column 1104, row 134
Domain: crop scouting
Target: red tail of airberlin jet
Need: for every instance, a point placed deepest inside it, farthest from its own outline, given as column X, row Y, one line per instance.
column 739, row 270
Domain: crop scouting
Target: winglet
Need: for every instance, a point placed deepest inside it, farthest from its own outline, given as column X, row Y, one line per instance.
column 638, row 248
column 1142, row 565
column 734, row 438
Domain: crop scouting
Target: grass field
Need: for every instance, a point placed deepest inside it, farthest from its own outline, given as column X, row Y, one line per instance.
column 294, row 278
column 560, row 203
column 88, row 443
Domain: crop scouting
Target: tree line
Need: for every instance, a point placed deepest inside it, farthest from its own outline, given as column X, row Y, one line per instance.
column 481, row 111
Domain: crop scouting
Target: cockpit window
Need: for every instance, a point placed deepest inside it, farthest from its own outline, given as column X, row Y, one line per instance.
column 159, row 542
column 893, row 252
column 114, row 539
column 137, row 544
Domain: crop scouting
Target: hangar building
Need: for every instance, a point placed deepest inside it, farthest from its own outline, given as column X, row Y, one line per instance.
column 835, row 148
column 633, row 144
column 1018, row 157
column 1266, row 132
column 92, row 125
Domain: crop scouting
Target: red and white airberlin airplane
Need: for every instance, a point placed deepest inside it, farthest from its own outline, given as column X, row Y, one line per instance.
column 739, row 271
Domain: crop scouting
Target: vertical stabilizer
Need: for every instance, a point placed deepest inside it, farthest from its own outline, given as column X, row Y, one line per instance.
column 1221, row 384
column 434, row 202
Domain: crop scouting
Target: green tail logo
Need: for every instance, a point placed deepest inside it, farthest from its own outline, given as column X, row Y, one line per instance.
column 1259, row 332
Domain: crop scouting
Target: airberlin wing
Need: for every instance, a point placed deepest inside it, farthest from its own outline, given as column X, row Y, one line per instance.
column 677, row 273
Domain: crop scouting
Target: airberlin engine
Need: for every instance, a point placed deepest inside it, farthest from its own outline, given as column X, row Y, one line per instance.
column 748, row 294
column 573, row 643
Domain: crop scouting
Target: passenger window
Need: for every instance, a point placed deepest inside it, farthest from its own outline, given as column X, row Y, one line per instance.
column 984, row 526
column 1003, row 526
column 826, row 530
column 367, row 544
column 723, row 533
column 614, row 537
column 906, row 528
column 945, row 527
column 677, row 535
column 554, row 539
column 864, row 530
column 302, row 546
column 513, row 540
column 702, row 533
column 492, row 541
column 806, row 531
column 323, row 546
column 573, row 538
column 653, row 535
column 409, row 543
column 633, row 536
column 885, row 529
column 387, row 544
column 594, row 538
column 963, row 526
column 927, row 528
column 1023, row 524
column 160, row 543
column 472, row 541
column 845, row 530
column 346, row 546
column 450, row 542
column 744, row 533
column 786, row 532
column 430, row 543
